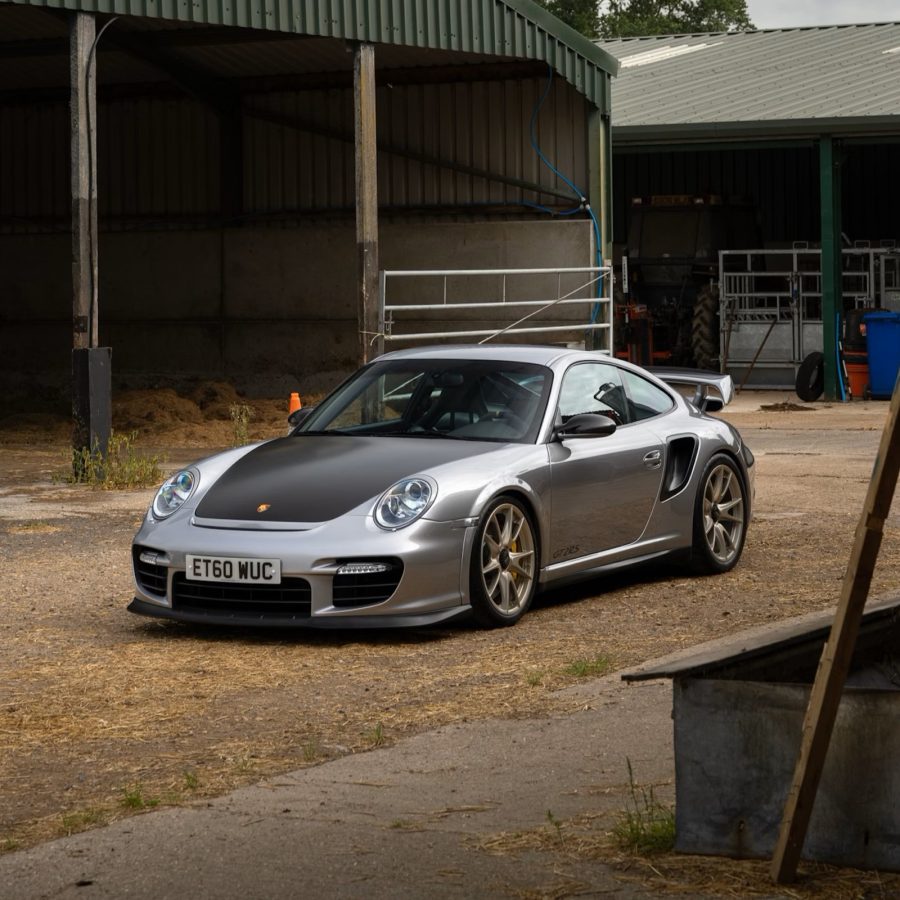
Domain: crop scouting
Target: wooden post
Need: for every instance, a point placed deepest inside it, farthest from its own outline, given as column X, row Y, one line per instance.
column 91, row 390
column 83, row 123
column 366, row 197
column 835, row 662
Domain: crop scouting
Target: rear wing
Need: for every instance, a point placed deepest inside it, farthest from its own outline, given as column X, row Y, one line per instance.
column 703, row 381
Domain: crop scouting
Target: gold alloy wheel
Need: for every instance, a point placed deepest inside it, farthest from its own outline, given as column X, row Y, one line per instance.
column 507, row 558
column 723, row 513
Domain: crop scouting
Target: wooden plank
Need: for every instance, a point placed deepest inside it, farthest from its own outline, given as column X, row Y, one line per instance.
column 837, row 654
column 366, row 198
column 83, row 144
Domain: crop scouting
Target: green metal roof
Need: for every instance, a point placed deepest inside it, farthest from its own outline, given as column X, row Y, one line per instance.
column 510, row 29
column 840, row 79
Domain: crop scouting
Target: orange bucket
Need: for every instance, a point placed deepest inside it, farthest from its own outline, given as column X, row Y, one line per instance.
column 857, row 374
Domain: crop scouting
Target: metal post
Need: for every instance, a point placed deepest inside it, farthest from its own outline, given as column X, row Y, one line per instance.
column 600, row 198
column 832, row 303
column 366, row 197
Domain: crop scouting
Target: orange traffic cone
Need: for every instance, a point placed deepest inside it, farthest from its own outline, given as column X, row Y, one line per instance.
column 294, row 403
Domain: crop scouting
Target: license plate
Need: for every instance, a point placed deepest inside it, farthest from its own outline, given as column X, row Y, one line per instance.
column 233, row 569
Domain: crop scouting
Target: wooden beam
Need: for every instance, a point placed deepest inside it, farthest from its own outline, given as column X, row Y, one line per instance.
column 83, row 137
column 265, row 84
column 838, row 652
column 366, row 198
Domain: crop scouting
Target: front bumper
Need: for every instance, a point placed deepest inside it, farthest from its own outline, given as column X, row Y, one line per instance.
column 143, row 608
column 432, row 588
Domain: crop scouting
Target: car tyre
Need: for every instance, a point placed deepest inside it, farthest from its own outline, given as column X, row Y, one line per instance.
column 721, row 511
column 504, row 564
column 811, row 377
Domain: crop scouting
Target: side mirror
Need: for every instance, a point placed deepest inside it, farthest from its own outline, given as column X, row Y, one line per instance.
column 586, row 425
column 298, row 415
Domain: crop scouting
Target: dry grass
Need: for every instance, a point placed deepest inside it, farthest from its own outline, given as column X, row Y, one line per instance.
column 590, row 838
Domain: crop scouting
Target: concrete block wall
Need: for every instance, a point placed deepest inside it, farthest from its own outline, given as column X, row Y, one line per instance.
column 264, row 308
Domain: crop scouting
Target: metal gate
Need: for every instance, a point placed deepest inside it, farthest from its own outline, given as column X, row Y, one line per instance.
column 439, row 305
column 771, row 307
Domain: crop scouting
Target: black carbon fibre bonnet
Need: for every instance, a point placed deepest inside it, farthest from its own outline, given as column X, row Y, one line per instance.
column 315, row 478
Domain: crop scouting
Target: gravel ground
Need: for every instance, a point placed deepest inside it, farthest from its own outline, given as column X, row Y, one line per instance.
column 103, row 713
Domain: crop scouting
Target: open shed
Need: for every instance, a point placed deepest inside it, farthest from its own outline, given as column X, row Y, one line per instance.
column 235, row 236
column 802, row 124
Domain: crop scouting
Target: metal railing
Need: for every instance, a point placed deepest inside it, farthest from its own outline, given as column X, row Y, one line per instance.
column 771, row 303
column 454, row 304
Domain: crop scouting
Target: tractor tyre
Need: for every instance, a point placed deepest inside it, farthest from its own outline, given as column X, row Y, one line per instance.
column 705, row 331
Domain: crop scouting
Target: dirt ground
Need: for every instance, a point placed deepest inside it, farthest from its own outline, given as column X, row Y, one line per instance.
column 103, row 713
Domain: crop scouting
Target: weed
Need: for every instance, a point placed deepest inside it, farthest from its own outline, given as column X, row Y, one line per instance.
column 376, row 735
column 191, row 781
column 133, row 798
column 242, row 762
column 241, row 414
column 74, row 822
column 646, row 827
column 8, row 845
column 534, row 679
column 311, row 750
column 556, row 824
column 599, row 665
column 122, row 467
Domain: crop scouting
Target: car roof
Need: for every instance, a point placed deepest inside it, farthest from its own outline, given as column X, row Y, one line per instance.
column 531, row 353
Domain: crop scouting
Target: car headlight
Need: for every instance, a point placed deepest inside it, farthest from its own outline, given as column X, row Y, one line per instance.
column 173, row 493
column 403, row 503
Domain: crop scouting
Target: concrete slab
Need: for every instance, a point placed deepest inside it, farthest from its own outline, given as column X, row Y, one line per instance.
column 401, row 821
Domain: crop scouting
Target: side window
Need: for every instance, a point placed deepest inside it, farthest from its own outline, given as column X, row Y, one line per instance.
column 645, row 400
column 593, row 388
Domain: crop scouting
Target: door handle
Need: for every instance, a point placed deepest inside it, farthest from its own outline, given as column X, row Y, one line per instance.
column 653, row 459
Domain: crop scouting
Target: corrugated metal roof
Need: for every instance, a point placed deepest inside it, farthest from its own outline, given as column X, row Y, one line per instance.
column 751, row 84
column 517, row 29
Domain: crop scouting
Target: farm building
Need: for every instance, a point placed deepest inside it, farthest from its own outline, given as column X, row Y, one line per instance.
column 797, row 130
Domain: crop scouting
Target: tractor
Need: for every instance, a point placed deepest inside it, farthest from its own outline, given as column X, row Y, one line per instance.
column 667, row 298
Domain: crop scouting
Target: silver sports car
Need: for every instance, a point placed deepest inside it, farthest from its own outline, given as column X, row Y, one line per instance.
column 450, row 481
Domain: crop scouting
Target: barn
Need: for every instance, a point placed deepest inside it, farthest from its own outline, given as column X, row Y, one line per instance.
column 210, row 190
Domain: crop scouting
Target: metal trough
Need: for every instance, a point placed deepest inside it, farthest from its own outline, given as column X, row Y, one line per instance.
column 738, row 709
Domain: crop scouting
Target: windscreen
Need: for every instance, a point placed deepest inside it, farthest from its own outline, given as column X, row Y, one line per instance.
column 479, row 400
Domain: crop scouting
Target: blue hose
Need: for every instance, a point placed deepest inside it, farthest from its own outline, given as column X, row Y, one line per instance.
column 837, row 355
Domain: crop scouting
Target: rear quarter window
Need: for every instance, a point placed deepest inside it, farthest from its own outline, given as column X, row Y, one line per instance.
column 645, row 399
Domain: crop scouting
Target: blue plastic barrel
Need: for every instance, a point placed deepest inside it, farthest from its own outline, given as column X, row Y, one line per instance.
column 883, row 338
